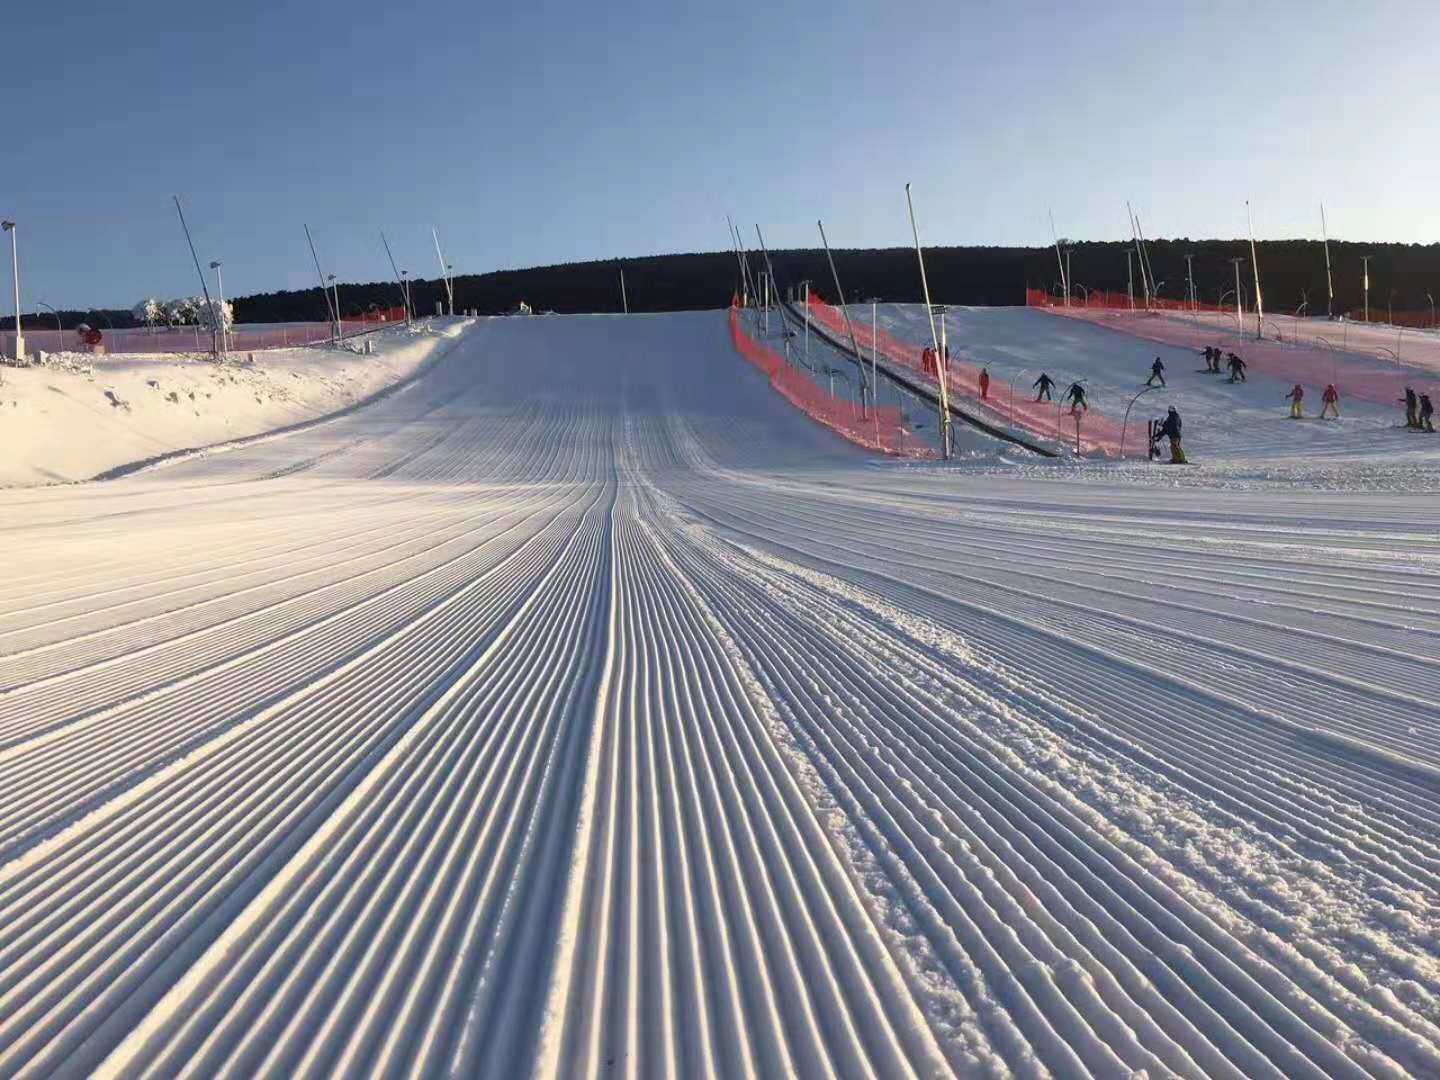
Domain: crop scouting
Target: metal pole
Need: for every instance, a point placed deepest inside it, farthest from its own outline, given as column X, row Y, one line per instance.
column 1255, row 265
column 339, row 323
column 944, row 396
column 404, row 292
column 204, row 288
column 218, row 314
column 1329, row 283
column 849, row 326
column 15, row 270
column 807, row 322
column 1064, row 281
column 1239, row 311
column 320, row 274
column 444, row 272
column 875, row 347
column 624, row 299
column 1366, row 260
column 1190, row 278
column 1130, row 276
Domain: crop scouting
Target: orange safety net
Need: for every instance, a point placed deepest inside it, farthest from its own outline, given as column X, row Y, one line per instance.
column 1006, row 405
column 877, row 428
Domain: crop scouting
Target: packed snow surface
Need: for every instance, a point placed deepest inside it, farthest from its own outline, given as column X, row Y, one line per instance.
column 582, row 709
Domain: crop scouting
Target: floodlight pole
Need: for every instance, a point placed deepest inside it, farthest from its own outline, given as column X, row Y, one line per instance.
column 943, row 399
column 320, row 274
column 1190, row 279
column 1239, row 311
column 340, row 326
column 1064, row 279
column 875, row 346
column 1255, row 265
column 204, row 288
column 624, row 299
column 1329, row 283
column 444, row 270
column 404, row 290
column 1130, row 276
column 218, row 314
column 9, row 227
column 849, row 326
column 1365, row 259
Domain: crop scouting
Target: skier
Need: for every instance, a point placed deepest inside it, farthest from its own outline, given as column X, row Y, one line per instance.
column 1076, row 397
column 1330, row 403
column 1295, row 397
column 1157, row 371
column 1044, row 383
column 1411, row 404
column 1215, row 360
column 985, row 384
column 1170, row 429
column 1237, row 368
column 1427, row 412
column 927, row 360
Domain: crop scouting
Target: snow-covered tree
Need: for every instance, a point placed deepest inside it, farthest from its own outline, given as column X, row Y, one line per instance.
column 217, row 311
column 183, row 311
column 149, row 311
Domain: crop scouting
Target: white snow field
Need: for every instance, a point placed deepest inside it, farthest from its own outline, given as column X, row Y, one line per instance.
column 81, row 415
column 581, row 709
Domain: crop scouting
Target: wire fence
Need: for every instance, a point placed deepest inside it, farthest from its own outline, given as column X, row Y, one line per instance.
column 197, row 339
column 1087, row 431
column 875, row 428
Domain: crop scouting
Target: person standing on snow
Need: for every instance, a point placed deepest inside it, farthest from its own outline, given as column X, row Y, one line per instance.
column 1237, row 368
column 1044, row 383
column 1157, row 371
column 985, row 384
column 1295, row 397
column 1427, row 411
column 1411, row 404
column 1076, row 397
column 1170, row 429
column 1330, row 403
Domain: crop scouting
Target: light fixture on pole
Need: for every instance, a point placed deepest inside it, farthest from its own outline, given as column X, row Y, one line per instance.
column 219, row 313
column 9, row 226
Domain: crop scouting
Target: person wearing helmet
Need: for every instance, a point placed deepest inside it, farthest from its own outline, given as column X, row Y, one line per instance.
column 1157, row 371
column 1295, row 397
column 1076, row 397
column 1427, row 413
column 1330, row 403
column 985, row 384
column 1170, row 429
column 1043, row 385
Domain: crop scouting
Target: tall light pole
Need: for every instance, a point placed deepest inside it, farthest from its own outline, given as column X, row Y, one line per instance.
column 1329, row 282
column 624, row 297
column 1239, row 309
column 1432, row 310
column 9, row 226
column 404, row 292
column 1255, row 266
column 219, row 313
column 335, row 288
column 444, row 269
column 1190, row 278
column 1366, row 260
column 943, row 398
column 874, row 303
column 405, row 277
column 1130, row 277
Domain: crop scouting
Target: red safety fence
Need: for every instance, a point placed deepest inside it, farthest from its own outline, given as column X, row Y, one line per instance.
column 196, row 339
column 1354, row 376
column 1115, row 301
column 877, row 428
column 1002, row 406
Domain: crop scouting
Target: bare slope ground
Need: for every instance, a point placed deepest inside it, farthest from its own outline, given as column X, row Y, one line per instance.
column 583, row 709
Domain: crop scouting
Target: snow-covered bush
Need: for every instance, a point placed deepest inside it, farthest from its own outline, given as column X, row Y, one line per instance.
column 184, row 311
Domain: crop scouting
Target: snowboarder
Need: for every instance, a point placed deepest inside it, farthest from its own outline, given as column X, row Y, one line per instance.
column 1043, row 383
column 1170, row 429
column 1076, row 397
column 1295, row 397
column 1236, row 366
column 1157, row 371
column 1427, row 413
column 985, row 384
column 1411, row 404
column 1330, row 403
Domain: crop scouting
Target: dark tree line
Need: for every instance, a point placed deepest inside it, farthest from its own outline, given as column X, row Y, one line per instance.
column 1292, row 272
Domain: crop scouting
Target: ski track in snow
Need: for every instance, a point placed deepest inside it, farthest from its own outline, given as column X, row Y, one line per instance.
column 585, row 710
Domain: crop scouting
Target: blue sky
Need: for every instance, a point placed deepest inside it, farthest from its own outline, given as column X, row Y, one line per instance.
column 554, row 131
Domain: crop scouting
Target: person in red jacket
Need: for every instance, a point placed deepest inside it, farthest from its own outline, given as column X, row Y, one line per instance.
column 1330, row 403
column 984, row 384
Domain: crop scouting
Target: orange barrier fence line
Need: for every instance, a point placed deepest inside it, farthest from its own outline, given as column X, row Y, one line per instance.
column 881, row 428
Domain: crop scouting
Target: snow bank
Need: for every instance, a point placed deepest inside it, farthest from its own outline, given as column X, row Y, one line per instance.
column 80, row 415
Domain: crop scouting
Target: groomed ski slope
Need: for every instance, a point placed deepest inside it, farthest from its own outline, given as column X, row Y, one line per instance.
column 583, row 710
